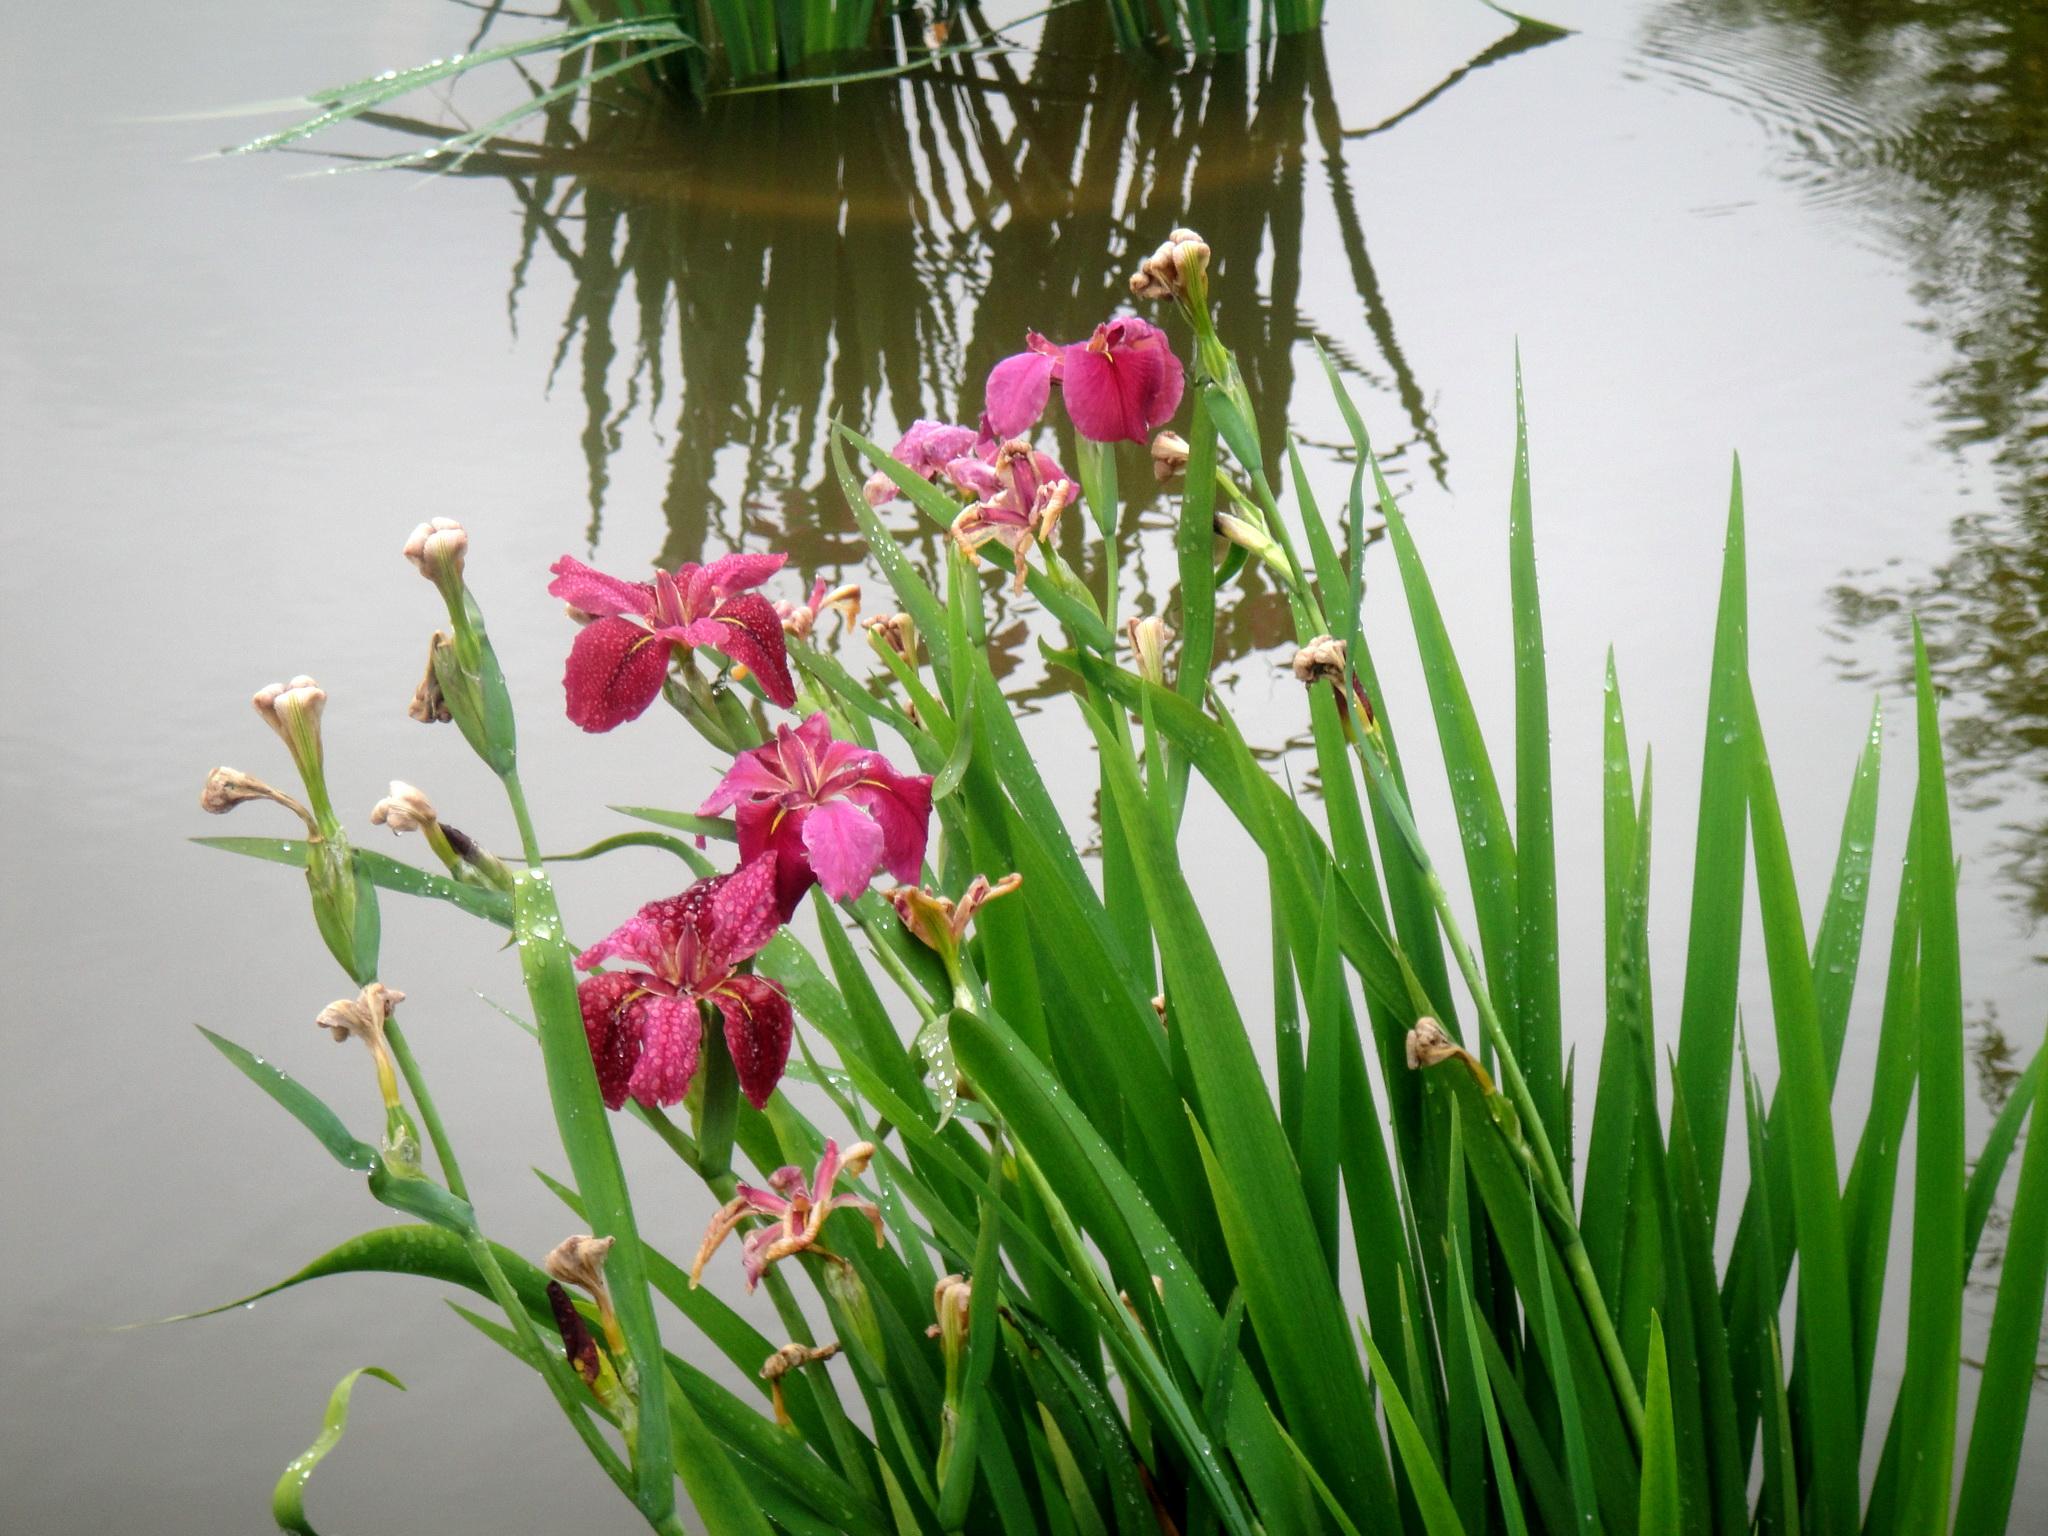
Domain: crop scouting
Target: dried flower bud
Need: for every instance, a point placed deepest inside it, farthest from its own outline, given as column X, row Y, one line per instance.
column 853, row 1162
column 1323, row 659
column 1148, row 647
column 227, row 788
column 438, row 547
column 799, row 619
column 1169, row 456
column 896, row 631
column 579, row 1261
column 405, row 809
column 429, row 706
column 1430, row 1044
column 362, row 1017
column 577, row 1342
column 789, row 1358
column 1179, row 265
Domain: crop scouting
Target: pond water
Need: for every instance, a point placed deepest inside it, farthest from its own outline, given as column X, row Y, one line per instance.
column 1814, row 235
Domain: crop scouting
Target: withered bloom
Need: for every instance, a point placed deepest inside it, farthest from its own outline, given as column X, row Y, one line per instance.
column 789, row 1358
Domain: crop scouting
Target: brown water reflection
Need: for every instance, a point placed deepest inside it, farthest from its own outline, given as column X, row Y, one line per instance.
column 746, row 272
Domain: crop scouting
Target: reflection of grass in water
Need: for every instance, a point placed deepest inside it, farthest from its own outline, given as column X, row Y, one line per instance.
column 1932, row 121
column 902, row 236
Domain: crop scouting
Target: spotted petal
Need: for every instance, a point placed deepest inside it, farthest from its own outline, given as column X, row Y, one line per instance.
column 615, row 671
column 758, row 1029
column 612, row 1029
column 738, row 572
column 747, row 628
column 671, row 1035
column 593, row 592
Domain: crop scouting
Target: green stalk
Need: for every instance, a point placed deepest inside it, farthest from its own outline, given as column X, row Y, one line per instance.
column 430, row 1116
column 719, row 1112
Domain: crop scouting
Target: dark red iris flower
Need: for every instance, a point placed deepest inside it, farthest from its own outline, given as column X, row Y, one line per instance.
column 644, row 1027
column 620, row 659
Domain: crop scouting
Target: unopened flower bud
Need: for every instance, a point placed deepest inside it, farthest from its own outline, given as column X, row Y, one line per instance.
column 1323, row 659
column 789, row 1358
column 952, row 1298
column 227, row 788
column 1148, row 638
column 1179, row 267
column 1159, row 1007
column 405, row 809
column 293, row 710
column 1169, row 456
column 438, row 547
column 896, row 631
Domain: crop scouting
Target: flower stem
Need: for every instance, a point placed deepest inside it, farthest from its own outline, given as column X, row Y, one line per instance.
column 553, row 1368
column 430, row 1116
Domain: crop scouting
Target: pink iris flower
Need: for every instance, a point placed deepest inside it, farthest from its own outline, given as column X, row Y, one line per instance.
column 619, row 660
column 926, row 449
column 1118, row 385
column 832, row 812
column 644, row 1027
column 796, row 1213
column 1019, row 502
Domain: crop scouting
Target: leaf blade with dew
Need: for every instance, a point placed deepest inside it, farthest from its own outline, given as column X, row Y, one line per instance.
column 1706, row 1028
column 1660, row 1506
column 388, row 873
column 1989, row 1170
column 1803, row 1087
column 1537, row 999
column 1483, row 829
column 298, row 1101
column 288, row 1498
column 1425, row 1479
column 1927, row 1393
column 2004, row 1395
column 1299, row 1325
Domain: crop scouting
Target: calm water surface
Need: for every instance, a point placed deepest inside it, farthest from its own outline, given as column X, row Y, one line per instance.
column 228, row 391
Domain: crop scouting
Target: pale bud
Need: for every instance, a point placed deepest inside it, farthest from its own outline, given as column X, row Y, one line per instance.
column 579, row 1260
column 896, row 631
column 438, row 547
column 1181, row 262
column 1169, row 456
column 293, row 706
column 405, row 809
column 1323, row 659
column 1429, row 1043
column 1148, row 638
column 227, row 788
column 361, row 1017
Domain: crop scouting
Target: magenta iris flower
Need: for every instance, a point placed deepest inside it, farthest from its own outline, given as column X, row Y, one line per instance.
column 832, row 812
column 1019, row 501
column 1118, row 385
column 619, row 660
column 926, row 448
column 795, row 1212
column 643, row 1024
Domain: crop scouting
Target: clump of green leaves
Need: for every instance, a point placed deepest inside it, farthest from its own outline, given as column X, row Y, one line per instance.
column 1116, row 1292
